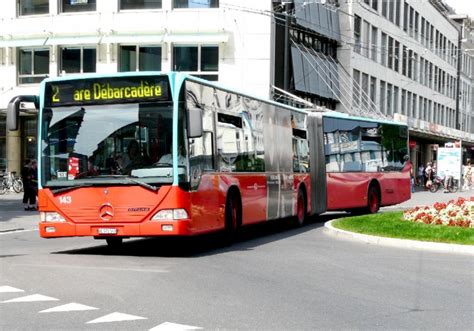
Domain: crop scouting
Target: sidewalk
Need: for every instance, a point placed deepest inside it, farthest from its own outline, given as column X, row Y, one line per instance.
column 426, row 198
column 12, row 215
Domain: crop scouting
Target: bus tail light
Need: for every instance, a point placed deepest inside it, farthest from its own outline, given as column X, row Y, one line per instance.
column 51, row 217
column 170, row 214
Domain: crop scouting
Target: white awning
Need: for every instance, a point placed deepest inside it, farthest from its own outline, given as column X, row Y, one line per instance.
column 200, row 38
column 23, row 42
column 192, row 38
column 133, row 39
column 73, row 40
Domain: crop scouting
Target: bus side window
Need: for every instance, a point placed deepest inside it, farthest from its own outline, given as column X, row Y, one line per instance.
column 201, row 157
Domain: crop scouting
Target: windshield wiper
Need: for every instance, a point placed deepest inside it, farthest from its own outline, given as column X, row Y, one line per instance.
column 142, row 184
column 69, row 188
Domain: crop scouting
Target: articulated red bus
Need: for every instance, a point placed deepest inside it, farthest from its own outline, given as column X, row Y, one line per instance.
column 151, row 154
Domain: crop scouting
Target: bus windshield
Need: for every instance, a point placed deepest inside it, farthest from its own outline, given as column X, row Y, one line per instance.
column 107, row 144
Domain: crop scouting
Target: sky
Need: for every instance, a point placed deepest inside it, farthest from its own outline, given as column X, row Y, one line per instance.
column 462, row 6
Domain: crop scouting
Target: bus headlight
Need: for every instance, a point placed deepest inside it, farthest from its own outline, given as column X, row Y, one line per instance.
column 51, row 217
column 170, row 214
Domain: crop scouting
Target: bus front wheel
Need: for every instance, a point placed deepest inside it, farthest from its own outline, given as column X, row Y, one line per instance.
column 233, row 214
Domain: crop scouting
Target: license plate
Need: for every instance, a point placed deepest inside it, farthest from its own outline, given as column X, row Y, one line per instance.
column 107, row 231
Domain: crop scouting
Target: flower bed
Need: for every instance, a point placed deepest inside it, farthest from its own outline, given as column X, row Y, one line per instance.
column 458, row 212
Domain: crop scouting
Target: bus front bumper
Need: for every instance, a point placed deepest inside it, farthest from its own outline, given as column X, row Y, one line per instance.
column 144, row 229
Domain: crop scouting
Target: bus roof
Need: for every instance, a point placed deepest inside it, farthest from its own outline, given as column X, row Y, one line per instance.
column 174, row 76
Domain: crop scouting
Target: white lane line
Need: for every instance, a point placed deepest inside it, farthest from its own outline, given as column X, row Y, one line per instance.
column 9, row 289
column 82, row 267
column 116, row 317
column 68, row 307
column 167, row 326
column 16, row 231
column 31, row 298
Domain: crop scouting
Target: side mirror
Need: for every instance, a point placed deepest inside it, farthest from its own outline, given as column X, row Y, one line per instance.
column 13, row 110
column 194, row 123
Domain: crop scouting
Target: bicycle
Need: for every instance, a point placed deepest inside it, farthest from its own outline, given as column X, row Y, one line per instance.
column 9, row 182
column 451, row 187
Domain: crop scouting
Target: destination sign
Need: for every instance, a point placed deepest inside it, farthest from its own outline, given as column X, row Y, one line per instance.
column 107, row 90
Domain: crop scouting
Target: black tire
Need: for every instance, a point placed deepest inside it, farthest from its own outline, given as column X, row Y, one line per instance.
column 17, row 186
column 373, row 200
column 301, row 208
column 434, row 187
column 114, row 242
column 233, row 217
column 453, row 188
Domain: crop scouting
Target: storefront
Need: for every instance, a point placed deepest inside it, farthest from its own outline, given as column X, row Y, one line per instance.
column 18, row 146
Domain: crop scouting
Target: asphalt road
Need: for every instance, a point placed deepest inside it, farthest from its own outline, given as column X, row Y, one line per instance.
column 274, row 277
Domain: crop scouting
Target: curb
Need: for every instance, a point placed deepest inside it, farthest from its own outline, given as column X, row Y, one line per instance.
column 400, row 243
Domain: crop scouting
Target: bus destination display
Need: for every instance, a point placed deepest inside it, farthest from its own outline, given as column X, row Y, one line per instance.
column 111, row 90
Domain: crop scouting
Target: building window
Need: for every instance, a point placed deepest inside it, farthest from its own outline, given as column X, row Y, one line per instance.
column 196, row 4
column 373, row 92
column 396, row 57
column 366, row 47
column 74, row 6
column 357, row 33
column 201, row 61
column 140, row 58
column 383, row 53
column 382, row 96
column 77, row 59
column 3, row 144
column 385, row 8
column 356, row 88
column 375, row 4
column 33, row 65
column 390, row 52
column 28, row 7
column 374, row 44
column 140, row 4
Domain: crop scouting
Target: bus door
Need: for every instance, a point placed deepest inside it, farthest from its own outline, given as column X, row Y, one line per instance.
column 317, row 163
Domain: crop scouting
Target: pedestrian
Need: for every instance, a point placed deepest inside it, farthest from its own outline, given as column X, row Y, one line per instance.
column 24, row 178
column 468, row 175
column 32, row 178
column 428, row 175
column 412, row 180
column 421, row 175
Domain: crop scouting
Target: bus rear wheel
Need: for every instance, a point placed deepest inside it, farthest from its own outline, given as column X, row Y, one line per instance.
column 373, row 200
column 301, row 208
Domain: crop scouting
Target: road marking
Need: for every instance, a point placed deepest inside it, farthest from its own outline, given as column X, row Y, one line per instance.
column 116, row 317
column 68, row 307
column 16, row 231
column 167, row 326
column 31, row 298
column 92, row 267
column 9, row 289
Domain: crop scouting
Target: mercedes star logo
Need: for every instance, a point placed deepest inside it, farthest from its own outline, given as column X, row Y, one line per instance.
column 106, row 212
